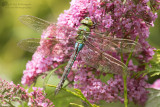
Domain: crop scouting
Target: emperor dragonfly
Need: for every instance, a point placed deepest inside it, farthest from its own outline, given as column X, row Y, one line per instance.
column 95, row 46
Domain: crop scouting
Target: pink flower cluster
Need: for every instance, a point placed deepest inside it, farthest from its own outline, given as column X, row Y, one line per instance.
column 37, row 98
column 128, row 21
column 112, row 90
column 14, row 93
column 156, row 84
column 11, row 92
column 35, row 68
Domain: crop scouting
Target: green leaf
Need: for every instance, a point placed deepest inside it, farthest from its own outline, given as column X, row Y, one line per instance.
column 153, row 66
column 155, row 74
column 154, row 69
column 139, row 74
column 50, row 74
column 76, row 105
column 157, row 50
column 154, row 98
column 78, row 94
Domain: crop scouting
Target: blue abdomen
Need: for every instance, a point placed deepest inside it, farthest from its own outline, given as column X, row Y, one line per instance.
column 80, row 46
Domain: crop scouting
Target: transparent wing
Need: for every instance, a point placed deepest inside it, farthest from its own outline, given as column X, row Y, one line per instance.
column 34, row 23
column 53, row 35
column 43, row 46
column 40, row 25
column 30, row 44
column 47, row 46
column 100, row 60
column 114, row 44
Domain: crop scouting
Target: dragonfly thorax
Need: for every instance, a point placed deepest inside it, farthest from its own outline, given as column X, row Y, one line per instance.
column 83, row 32
column 84, row 29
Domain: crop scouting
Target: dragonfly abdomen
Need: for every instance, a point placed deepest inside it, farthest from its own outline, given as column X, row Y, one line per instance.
column 78, row 47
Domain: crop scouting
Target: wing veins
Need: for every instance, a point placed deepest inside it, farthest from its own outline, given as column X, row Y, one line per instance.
column 108, row 57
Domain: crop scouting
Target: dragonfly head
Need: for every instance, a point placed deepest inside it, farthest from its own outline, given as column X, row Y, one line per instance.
column 87, row 21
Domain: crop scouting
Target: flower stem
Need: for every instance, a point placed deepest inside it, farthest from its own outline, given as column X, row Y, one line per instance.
column 125, row 90
column 125, row 75
column 8, row 102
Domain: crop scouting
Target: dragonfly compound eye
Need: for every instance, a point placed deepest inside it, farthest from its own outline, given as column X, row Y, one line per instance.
column 87, row 21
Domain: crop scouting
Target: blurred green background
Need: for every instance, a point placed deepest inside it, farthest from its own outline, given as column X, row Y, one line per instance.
column 12, row 58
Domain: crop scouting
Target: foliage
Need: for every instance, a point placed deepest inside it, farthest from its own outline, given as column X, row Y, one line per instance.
column 153, row 67
column 154, row 98
column 78, row 94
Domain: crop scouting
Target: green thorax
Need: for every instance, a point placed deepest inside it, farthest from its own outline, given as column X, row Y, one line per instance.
column 84, row 29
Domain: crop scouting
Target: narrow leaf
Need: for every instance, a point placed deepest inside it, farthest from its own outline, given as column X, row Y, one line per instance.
column 49, row 75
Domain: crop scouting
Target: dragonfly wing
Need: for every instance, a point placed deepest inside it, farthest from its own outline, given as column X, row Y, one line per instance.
column 41, row 25
column 34, row 22
column 101, row 60
column 42, row 46
column 29, row 45
column 47, row 46
column 114, row 44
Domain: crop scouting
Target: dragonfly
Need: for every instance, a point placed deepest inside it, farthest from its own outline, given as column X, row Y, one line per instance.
column 93, row 47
